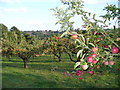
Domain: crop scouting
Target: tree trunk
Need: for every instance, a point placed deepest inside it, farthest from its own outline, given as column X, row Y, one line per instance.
column 70, row 56
column 114, row 27
column 78, row 59
column 25, row 63
column 58, row 56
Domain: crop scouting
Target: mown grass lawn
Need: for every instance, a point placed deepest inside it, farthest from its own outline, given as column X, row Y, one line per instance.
column 45, row 72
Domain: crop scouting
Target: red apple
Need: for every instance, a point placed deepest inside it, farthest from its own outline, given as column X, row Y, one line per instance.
column 94, row 61
column 57, row 38
column 74, row 36
column 118, row 69
column 115, row 50
column 91, row 72
column 77, row 74
column 89, row 59
column 94, row 55
column 106, row 62
column 111, row 63
column 80, row 78
column 85, row 67
column 78, row 71
column 95, row 49
column 105, row 46
column 98, row 66
column 64, row 73
column 93, row 32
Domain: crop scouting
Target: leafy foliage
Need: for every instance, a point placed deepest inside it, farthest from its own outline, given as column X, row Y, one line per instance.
column 95, row 38
column 15, row 43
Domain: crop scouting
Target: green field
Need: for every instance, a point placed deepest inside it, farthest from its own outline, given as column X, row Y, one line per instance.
column 45, row 72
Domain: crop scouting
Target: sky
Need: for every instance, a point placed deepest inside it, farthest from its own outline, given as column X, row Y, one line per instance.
column 35, row 15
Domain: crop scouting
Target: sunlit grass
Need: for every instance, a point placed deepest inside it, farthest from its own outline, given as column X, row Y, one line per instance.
column 45, row 72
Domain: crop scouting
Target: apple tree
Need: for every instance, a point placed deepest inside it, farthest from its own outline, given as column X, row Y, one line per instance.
column 96, row 47
column 16, row 44
column 58, row 46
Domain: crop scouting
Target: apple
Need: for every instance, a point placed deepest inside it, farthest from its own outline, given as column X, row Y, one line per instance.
column 74, row 36
column 69, row 74
column 118, row 69
column 84, row 67
column 89, row 59
column 105, row 46
column 77, row 74
column 106, row 62
column 111, row 63
column 115, row 50
column 93, row 32
column 64, row 73
column 91, row 72
column 95, row 49
column 98, row 66
column 94, row 55
column 94, row 61
column 78, row 71
column 80, row 78
column 118, row 39
column 57, row 38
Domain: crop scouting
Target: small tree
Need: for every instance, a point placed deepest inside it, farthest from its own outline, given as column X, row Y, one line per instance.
column 15, row 44
column 112, row 13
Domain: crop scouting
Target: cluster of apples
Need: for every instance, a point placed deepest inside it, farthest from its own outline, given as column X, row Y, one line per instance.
column 108, row 62
column 91, row 59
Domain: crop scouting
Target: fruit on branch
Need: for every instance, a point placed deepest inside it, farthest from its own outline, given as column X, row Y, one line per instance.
column 85, row 67
column 74, row 36
column 89, row 59
column 118, row 39
column 105, row 46
column 94, row 55
column 57, row 38
column 106, row 62
column 115, row 50
column 111, row 63
column 98, row 66
column 95, row 49
column 94, row 61
column 91, row 72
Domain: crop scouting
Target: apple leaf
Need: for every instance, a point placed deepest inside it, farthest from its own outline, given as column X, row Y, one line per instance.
column 79, row 53
column 83, row 39
column 76, row 65
column 91, row 44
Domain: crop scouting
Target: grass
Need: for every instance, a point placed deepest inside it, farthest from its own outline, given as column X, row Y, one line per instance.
column 45, row 72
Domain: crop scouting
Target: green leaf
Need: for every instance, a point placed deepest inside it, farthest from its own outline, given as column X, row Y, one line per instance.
column 100, row 21
column 74, row 33
column 65, row 33
column 76, row 64
column 89, row 14
column 60, row 22
column 94, row 16
column 79, row 53
column 77, row 40
column 105, row 20
column 83, row 39
column 71, row 22
column 91, row 44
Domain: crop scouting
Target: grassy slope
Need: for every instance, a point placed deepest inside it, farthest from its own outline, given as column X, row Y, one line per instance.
column 44, row 72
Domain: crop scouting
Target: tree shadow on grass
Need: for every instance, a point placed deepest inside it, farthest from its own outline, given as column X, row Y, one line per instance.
column 28, row 80
column 21, row 80
column 33, row 79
